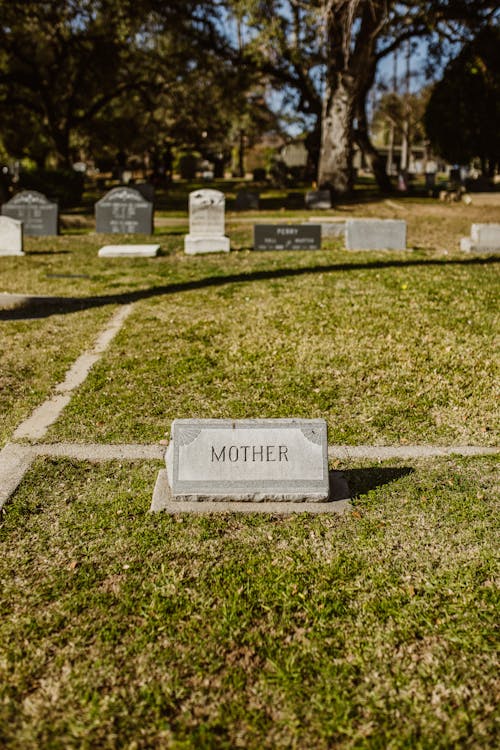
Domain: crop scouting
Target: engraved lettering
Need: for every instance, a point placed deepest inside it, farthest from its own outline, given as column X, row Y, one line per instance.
column 269, row 452
column 258, row 451
column 221, row 456
column 283, row 452
column 244, row 448
column 233, row 453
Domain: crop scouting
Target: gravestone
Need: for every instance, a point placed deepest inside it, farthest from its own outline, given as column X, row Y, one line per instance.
column 129, row 251
column 247, row 201
column 287, row 237
column 321, row 199
column 11, row 236
column 40, row 216
column 124, row 211
column 249, row 465
column 206, row 223
column 375, row 234
column 484, row 238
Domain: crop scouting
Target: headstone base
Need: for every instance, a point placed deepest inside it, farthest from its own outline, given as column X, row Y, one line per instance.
column 194, row 245
column 339, row 501
column 11, row 252
column 129, row 251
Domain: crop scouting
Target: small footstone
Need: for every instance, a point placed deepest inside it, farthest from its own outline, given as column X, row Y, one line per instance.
column 129, row 251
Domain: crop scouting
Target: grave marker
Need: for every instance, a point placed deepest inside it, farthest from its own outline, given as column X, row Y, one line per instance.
column 287, row 237
column 375, row 234
column 321, row 199
column 206, row 223
column 129, row 251
column 280, row 460
column 124, row 211
column 11, row 236
column 484, row 238
column 247, row 201
column 40, row 216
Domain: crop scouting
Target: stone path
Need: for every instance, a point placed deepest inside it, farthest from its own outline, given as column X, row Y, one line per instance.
column 16, row 458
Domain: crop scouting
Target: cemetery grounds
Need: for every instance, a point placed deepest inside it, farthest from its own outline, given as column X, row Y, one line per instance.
column 377, row 628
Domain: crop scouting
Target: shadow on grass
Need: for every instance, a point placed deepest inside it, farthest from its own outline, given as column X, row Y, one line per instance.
column 362, row 481
column 41, row 307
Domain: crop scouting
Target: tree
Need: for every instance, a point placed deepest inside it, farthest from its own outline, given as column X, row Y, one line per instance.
column 327, row 52
column 463, row 114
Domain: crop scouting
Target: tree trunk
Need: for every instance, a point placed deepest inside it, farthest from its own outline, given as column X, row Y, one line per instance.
column 335, row 161
column 376, row 162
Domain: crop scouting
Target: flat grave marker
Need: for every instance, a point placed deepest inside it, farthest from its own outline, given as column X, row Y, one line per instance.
column 287, row 236
column 247, row 200
column 11, row 236
column 40, row 216
column 129, row 251
column 124, row 210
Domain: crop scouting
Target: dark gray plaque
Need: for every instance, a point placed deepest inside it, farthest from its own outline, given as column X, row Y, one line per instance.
column 287, row 237
column 124, row 211
column 40, row 216
column 318, row 199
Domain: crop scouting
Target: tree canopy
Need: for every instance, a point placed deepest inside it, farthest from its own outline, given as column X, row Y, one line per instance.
column 463, row 115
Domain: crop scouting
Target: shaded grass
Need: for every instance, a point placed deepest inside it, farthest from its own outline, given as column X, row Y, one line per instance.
column 376, row 629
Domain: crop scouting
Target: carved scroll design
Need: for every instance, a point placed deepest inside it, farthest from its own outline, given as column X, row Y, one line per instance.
column 187, row 435
column 312, row 434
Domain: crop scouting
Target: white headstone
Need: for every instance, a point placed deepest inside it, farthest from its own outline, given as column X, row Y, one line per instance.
column 206, row 223
column 483, row 238
column 11, row 236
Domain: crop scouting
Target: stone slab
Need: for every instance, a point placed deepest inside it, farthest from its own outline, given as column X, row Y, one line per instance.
column 11, row 236
column 468, row 246
column 195, row 245
column 487, row 235
column 287, row 236
column 339, row 502
column 129, row 251
column 375, row 234
column 248, row 460
column 40, row 216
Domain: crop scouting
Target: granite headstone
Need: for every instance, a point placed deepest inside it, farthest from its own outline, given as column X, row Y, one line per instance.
column 206, row 223
column 375, row 234
column 11, row 236
column 124, row 211
column 40, row 216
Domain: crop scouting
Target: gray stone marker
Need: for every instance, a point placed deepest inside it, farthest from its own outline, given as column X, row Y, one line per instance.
column 321, row 199
column 124, row 211
column 484, row 238
column 247, row 201
column 129, row 251
column 146, row 189
column 206, row 223
column 375, row 234
column 40, row 216
column 248, row 460
column 11, row 236
column 287, row 237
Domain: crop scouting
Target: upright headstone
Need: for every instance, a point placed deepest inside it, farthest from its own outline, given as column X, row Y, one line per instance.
column 11, row 236
column 375, row 234
column 206, row 223
column 146, row 189
column 40, row 216
column 320, row 199
column 124, row 211
column 483, row 238
column 247, row 201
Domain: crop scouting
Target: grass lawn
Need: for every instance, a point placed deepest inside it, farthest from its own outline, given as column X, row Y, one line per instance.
column 376, row 629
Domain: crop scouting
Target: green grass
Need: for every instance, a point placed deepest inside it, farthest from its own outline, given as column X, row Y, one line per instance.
column 376, row 629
